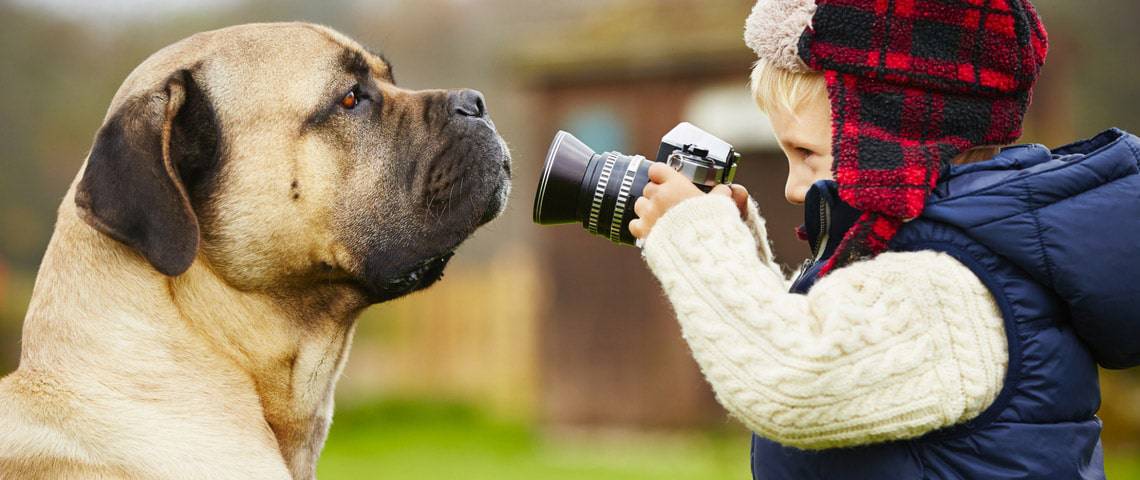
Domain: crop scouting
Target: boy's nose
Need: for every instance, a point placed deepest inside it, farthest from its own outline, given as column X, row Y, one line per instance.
column 795, row 191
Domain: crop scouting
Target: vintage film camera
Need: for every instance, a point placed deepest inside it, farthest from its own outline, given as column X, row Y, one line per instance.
column 599, row 190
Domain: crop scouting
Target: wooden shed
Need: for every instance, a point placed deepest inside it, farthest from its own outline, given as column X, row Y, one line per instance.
column 610, row 350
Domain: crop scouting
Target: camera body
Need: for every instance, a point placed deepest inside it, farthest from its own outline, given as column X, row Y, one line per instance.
column 599, row 190
column 704, row 159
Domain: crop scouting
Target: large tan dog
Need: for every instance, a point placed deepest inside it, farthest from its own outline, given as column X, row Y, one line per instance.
column 251, row 190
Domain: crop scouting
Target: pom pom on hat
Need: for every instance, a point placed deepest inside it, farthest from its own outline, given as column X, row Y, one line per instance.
column 773, row 31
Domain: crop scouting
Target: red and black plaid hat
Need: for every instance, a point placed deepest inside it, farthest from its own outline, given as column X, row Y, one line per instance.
column 912, row 84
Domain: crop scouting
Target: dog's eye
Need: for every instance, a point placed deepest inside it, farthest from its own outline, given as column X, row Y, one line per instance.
column 350, row 100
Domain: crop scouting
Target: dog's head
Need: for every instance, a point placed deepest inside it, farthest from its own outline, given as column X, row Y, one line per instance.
column 284, row 155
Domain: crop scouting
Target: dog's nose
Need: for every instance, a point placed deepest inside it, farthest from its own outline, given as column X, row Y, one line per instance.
column 468, row 103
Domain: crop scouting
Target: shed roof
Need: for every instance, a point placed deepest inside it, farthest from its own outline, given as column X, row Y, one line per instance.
column 638, row 38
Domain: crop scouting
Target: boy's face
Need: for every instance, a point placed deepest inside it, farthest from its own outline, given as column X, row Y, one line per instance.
column 805, row 138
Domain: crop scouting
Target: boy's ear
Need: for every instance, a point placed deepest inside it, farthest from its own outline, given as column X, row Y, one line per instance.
column 133, row 187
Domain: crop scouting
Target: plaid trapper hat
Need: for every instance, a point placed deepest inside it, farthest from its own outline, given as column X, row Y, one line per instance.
column 912, row 84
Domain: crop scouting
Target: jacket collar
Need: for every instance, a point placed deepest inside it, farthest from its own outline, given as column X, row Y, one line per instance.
column 826, row 218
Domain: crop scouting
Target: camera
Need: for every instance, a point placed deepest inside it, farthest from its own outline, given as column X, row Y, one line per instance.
column 599, row 190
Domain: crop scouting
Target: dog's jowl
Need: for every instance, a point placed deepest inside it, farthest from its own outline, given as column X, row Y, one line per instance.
column 250, row 191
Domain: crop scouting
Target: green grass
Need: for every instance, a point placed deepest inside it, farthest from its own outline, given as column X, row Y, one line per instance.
column 416, row 440
column 1122, row 467
column 412, row 441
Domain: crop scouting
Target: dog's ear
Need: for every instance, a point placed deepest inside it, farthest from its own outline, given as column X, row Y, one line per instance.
column 135, row 186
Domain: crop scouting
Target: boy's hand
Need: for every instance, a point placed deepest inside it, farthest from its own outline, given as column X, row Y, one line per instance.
column 740, row 197
column 666, row 189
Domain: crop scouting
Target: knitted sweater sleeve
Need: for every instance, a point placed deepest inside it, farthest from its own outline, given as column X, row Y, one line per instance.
column 885, row 349
column 755, row 223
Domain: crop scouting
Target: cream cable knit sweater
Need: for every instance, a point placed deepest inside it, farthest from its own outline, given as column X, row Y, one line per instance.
column 884, row 349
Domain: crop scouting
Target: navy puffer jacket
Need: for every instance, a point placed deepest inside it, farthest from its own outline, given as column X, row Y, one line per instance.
column 1055, row 236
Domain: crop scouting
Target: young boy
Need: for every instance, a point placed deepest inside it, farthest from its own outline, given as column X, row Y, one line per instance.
column 952, row 322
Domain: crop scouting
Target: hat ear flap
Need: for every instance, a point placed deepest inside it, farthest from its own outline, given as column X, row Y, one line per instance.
column 132, row 187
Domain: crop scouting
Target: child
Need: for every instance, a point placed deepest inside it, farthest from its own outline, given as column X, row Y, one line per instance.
column 952, row 322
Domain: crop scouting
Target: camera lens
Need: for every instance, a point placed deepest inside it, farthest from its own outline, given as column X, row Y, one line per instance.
column 597, row 190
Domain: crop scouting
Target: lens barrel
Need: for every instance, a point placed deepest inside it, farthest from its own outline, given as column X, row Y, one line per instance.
column 566, row 165
column 597, row 190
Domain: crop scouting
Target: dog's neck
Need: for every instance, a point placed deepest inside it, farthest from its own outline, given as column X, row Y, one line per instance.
column 274, row 356
column 292, row 350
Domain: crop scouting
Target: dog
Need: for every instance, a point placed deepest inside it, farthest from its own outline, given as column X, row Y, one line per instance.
column 251, row 190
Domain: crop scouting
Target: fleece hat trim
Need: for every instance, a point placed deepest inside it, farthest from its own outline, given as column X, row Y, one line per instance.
column 773, row 31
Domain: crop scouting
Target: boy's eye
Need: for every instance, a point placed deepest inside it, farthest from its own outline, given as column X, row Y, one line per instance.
column 804, row 152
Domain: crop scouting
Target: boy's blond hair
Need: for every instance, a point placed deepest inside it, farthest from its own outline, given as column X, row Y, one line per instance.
column 777, row 89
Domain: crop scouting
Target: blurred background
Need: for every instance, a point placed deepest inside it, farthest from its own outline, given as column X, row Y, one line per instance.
column 545, row 353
